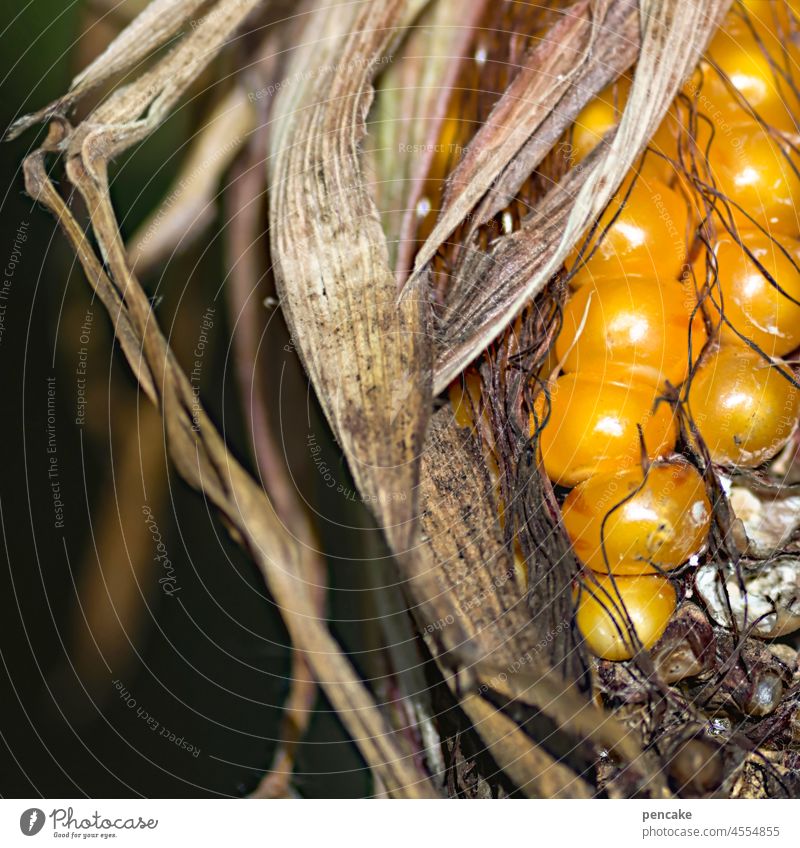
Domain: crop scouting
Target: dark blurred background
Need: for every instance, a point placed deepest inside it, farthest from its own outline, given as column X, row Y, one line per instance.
column 112, row 681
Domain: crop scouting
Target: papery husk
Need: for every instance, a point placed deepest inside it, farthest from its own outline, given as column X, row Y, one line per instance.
column 473, row 614
column 368, row 359
column 409, row 113
column 614, row 49
column 548, row 73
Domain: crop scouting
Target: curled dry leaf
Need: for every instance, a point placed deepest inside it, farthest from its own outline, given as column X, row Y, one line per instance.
column 152, row 28
column 203, row 460
column 368, row 359
column 134, row 110
column 769, row 605
column 615, row 47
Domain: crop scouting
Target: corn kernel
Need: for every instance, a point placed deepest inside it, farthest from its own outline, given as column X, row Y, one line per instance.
column 752, row 305
column 636, row 324
column 744, row 409
column 648, row 236
column 648, row 524
column 603, row 613
column 593, row 426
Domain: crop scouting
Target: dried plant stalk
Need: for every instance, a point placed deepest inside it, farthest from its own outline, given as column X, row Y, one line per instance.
column 245, row 227
column 171, row 229
column 194, row 444
column 203, row 460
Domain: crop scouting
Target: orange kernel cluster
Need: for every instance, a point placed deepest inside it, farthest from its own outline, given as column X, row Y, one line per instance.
column 606, row 426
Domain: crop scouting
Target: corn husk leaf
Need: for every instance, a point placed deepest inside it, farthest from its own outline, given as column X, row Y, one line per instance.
column 410, row 109
column 473, row 614
column 533, row 94
column 368, row 359
column 615, row 41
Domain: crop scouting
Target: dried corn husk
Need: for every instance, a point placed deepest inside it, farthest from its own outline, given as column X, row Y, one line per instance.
column 410, row 108
column 195, row 446
column 368, row 359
